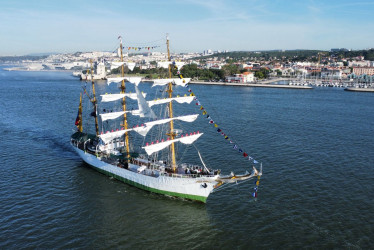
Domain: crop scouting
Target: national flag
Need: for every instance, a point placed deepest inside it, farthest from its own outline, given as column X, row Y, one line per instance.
column 77, row 120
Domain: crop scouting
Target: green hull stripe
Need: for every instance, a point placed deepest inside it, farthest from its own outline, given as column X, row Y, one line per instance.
column 135, row 184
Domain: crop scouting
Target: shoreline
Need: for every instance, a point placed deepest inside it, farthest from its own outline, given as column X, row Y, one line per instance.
column 258, row 85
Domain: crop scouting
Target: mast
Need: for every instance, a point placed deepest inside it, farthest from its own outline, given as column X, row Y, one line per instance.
column 80, row 124
column 94, row 102
column 171, row 134
column 123, row 89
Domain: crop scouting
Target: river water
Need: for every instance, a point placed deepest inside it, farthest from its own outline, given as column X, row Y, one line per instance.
column 317, row 188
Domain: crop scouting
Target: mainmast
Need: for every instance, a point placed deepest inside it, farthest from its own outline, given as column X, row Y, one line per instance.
column 94, row 102
column 171, row 134
column 123, row 89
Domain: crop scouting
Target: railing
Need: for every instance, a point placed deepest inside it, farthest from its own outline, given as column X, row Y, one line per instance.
column 185, row 175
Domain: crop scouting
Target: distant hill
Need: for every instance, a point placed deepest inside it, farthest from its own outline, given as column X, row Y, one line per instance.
column 4, row 59
column 279, row 54
column 291, row 55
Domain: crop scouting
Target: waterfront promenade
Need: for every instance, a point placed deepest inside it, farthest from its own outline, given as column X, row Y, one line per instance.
column 262, row 84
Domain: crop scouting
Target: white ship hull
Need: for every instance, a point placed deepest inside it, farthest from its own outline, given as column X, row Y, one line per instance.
column 197, row 188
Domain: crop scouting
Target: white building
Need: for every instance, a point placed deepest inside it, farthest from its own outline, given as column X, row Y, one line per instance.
column 241, row 78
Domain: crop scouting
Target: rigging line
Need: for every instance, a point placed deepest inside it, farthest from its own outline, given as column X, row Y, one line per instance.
column 234, row 141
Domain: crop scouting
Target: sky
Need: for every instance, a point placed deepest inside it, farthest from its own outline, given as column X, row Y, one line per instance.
column 68, row 26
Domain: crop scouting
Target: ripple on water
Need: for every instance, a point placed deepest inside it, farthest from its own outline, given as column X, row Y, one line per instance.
column 316, row 191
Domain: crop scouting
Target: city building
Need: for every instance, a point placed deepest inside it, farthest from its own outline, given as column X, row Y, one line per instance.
column 363, row 71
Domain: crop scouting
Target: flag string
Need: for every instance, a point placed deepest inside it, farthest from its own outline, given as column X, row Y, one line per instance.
column 141, row 47
column 235, row 146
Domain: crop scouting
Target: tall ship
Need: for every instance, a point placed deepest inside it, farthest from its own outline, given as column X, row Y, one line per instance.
column 132, row 144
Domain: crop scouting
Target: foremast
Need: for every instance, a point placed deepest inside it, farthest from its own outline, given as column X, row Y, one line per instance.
column 123, row 90
column 94, row 101
column 80, row 123
column 171, row 134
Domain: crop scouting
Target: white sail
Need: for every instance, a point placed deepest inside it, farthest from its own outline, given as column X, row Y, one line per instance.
column 134, row 79
column 161, row 82
column 184, row 99
column 179, row 65
column 109, row 136
column 130, row 65
column 115, row 97
column 115, row 65
column 164, row 65
column 176, row 81
column 182, row 82
column 144, row 108
column 114, row 79
column 114, row 115
column 143, row 130
column 150, row 149
column 109, row 116
column 111, row 97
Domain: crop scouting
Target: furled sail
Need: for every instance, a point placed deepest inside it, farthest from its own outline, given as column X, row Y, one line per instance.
column 184, row 99
column 177, row 81
column 143, row 130
column 150, row 149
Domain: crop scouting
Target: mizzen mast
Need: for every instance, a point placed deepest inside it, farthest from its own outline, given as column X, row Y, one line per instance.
column 123, row 90
column 171, row 134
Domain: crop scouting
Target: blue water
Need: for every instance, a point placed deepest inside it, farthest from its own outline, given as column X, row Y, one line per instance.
column 317, row 190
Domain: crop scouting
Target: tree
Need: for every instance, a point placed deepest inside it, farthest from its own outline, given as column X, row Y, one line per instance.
column 230, row 69
column 259, row 75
